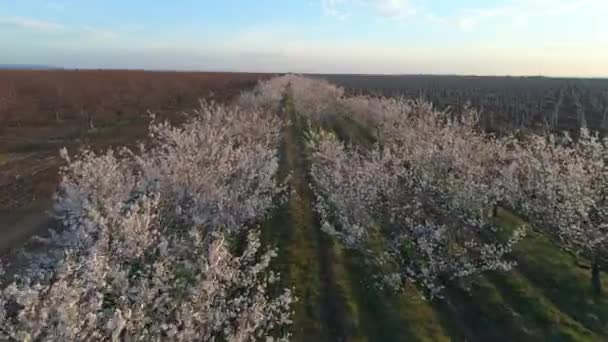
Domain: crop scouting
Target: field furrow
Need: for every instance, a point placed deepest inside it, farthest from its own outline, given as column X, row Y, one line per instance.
column 562, row 280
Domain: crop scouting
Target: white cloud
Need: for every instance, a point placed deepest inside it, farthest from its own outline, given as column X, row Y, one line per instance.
column 435, row 19
column 98, row 33
column 56, row 6
column 519, row 12
column 394, row 9
column 44, row 26
column 334, row 8
column 31, row 24
column 467, row 23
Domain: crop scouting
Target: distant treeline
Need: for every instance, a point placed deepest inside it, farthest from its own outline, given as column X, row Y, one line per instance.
column 505, row 103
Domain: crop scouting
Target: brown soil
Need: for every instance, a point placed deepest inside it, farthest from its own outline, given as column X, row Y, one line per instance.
column 43, row 111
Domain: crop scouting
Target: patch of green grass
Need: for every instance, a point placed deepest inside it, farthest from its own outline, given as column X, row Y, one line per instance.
column 556, row 273
column 350, row 131
column 344, row 289
column 481, row 313
column 387, row 315
column 537, row 313
column 302, row 248
column 308, row 260
column 290, row 228
column 390, row 315
column 380, row 321
column 421, row 321
column 304, row 273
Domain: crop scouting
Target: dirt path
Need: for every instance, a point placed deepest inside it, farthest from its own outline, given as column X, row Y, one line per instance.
column 308, row 260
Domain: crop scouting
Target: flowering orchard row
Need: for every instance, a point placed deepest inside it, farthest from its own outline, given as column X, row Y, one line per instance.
column 161, row 243
column 433, row 182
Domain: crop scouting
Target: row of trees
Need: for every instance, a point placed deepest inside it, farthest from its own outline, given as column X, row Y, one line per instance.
column 561, row 186
column 160, row 243
column 427, row 189
column 505, row 103
column 433, row 182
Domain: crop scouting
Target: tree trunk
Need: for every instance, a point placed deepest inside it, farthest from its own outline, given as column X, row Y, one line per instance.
column 596, row 281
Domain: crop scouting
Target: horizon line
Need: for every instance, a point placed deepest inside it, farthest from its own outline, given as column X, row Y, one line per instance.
column 42, row 67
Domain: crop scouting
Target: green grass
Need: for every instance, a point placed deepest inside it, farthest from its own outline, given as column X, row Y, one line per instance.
column 556, row 272
column 481, row 313
column 350, row 131
column 299, row 258
column 537, row 312
column 345, row 292
column 308, row 261
column 304, row 273
column 390, row 316
column 422, row 323
column 506, row 307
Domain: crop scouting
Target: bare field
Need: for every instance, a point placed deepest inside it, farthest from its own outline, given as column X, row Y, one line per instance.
column 44, row 110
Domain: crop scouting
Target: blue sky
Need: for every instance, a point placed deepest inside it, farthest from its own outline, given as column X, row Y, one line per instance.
column 516, row 37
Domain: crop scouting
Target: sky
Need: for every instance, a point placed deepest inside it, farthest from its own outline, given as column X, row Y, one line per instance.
column 473, row 37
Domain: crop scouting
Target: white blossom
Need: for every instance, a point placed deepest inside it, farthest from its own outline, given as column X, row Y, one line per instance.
column 144, row 252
